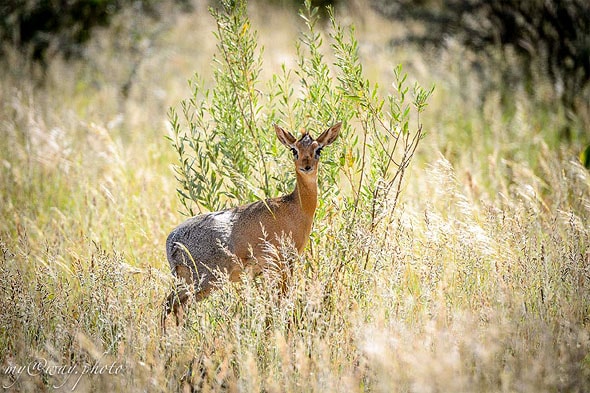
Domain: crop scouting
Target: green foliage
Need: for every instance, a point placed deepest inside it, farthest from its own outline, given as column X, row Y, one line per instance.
column 585, row 157
column 388, row 142
column 225, row 141
column 227, row 151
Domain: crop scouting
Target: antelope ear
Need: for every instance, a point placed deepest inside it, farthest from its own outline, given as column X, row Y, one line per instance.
column 285, row 137
column 329, row 135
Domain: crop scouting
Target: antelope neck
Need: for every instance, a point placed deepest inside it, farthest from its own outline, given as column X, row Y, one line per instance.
column 306, row 193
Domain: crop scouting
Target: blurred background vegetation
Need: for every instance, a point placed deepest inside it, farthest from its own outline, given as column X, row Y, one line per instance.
column 529, row 41
column 45, row 28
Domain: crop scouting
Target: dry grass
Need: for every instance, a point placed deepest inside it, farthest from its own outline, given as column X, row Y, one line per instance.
column 482, row 283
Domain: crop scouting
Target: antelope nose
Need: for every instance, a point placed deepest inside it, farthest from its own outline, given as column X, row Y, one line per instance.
column 307, row 168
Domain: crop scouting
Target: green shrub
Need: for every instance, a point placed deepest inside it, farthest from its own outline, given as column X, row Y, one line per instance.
column 226, row 147
column 210, row 139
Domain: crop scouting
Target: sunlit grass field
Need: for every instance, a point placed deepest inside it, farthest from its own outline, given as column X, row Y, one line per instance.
column 480, row 281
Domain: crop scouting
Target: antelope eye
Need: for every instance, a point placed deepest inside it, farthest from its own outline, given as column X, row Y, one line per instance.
column 294, row 151
column 318, row 151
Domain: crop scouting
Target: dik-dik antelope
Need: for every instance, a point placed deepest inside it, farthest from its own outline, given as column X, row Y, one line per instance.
column 232, row 240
